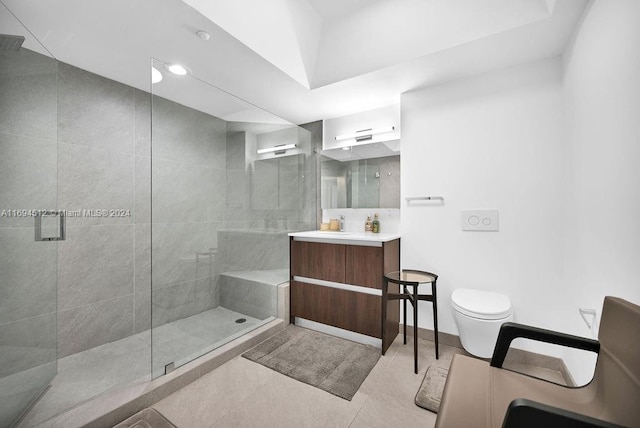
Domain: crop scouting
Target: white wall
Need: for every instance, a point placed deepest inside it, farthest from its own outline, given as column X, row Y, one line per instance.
column 555, row 146
column 493, row 141
column 602, row 123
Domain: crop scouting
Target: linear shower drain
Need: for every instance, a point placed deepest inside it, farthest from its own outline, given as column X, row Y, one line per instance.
column 241, row 320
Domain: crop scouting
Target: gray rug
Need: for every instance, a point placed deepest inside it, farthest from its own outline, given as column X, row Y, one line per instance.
column 430, row 392
column 330, row 363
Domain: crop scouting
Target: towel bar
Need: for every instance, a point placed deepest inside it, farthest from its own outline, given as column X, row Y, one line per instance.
column 425, row 198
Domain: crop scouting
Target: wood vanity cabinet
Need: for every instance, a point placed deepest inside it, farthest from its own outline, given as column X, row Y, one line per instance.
column 343, row 264
column 365, row 264
column 318, row 260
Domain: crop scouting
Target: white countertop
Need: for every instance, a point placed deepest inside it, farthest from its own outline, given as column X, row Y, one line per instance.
column 352, row 238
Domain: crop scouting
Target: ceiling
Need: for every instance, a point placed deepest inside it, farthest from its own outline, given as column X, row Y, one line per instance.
column 302, row 60
column 334, row 9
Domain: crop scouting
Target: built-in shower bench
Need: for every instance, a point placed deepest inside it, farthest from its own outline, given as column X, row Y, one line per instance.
column 258, row 293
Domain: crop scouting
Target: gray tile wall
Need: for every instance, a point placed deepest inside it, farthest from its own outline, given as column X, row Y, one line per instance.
column 277, row 194
column 243, row 250
column 188, row 207
column 72, row 134
column 101, row 128
column 265, row 200
column 105, row 162
column 256, row 299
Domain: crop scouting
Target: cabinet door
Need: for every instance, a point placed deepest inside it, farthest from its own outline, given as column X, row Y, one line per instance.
column 364, row 266
column 349, row 310
column 317, row 260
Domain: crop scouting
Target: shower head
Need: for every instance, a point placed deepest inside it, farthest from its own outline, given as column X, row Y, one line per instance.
column 10, row 43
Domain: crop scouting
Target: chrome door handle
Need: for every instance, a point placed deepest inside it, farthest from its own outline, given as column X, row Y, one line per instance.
column 38, row 226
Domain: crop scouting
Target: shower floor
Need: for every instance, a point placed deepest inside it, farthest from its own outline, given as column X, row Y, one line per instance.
column 87, row 374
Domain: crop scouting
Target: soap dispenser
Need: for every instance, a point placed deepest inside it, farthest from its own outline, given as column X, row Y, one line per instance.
column 376, row 224
column 368, row 225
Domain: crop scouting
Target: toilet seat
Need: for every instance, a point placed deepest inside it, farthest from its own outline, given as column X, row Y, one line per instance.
column 480, row 304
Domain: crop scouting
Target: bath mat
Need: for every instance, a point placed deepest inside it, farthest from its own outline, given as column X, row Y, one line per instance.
column 147, row 418
column 430, row 392
column 330, row 363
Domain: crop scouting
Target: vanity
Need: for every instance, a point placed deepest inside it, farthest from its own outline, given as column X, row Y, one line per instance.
column 336, row 280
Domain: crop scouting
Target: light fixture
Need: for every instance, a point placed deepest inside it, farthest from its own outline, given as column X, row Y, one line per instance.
column 156, row 76
column 346, row 148
column 277, row 149
column 177, row 69
column 365, row 134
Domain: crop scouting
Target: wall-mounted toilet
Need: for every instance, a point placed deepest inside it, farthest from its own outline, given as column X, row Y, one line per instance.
column 479, row 315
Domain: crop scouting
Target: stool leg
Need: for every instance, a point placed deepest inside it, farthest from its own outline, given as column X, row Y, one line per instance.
column 435, row 316
column 415, row 328
column 404, row 308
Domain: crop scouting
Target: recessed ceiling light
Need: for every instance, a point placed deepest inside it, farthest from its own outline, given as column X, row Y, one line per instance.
column 203, row 35
column 156, row 76
column 346, row 148
column 177, row 69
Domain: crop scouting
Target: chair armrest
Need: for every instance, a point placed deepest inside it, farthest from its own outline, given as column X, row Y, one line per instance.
column 511, row 330
column 523, row 413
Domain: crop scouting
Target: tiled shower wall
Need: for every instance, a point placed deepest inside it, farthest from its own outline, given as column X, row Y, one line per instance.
column 265, row 199
column 189, row 207
column 201, row 188
column 277, row 193
column 103, row 163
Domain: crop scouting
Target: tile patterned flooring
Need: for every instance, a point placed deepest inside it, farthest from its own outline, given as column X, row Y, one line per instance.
column 241, row 393
column 87, row 374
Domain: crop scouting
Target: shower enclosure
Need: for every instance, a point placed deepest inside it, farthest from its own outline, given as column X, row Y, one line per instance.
column 139, row 229
column 225, row 190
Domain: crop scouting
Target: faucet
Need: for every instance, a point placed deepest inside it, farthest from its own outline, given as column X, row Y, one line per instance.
column 341, row 223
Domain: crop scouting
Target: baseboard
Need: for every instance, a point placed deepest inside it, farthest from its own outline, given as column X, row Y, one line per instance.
column 339, row 332
column 426, row 334
column 515, row 354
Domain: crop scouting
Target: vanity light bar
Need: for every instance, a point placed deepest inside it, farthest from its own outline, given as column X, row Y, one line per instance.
column 365, row 133
column 280, row 148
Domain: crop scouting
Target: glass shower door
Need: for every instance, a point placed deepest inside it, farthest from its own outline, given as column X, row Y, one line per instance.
column 228, row 182
column 29, row 221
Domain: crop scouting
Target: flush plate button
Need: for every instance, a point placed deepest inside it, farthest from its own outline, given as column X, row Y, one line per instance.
column 479, row 220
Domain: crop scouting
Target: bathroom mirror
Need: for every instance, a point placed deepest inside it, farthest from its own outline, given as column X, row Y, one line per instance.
column 364, row 176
